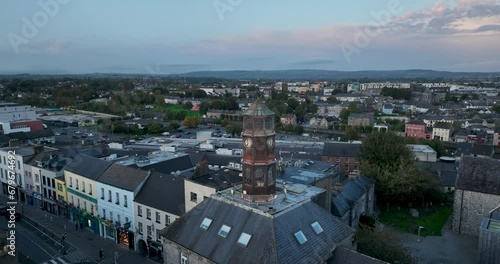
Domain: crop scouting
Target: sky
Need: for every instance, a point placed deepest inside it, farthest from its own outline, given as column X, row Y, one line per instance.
column 161, row 37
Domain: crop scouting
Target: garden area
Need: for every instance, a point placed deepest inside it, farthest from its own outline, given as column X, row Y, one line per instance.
column 176, row 109
column 432, row 219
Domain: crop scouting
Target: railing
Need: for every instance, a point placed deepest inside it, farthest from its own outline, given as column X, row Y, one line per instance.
column 58, row 241
column 257, row 198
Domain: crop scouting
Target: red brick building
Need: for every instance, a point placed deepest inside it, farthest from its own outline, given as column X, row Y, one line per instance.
column 418, row 129
column 345, row 154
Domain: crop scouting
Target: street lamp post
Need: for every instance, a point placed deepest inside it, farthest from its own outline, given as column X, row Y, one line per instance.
column 419, row 228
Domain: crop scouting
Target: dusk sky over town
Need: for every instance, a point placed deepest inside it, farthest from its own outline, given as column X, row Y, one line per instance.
column 176, row 36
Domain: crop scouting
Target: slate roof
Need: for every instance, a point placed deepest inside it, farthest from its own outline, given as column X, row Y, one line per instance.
column 341, row 149
column 339, row 205
column 220, row 180
column 88, row 167
column 32, row 135
column 164, row 192
column 258, row 109
column 442, row 125
column 479, row 175
column 438, row 117
column 483, row 150
column 464, row 148
column 439, row 165
column 4, row 139
column 352, row 190
column 416, row 122
column 214, row 159
column 272, row 240
column 344, row 255
column 361, row 115
column 123, row 177
column 448, row 178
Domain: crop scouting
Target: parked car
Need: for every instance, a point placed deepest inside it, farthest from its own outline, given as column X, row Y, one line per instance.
column 166, row 133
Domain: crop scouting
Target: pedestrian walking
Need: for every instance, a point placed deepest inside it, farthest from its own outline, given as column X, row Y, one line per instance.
column 101, row 254
column 81, row 226
column 76, row 226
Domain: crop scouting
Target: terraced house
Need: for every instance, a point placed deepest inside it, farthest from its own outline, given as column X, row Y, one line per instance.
column 81, row 176
column 117, row 187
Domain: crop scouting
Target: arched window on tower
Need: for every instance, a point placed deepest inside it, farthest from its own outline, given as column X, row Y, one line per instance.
column 248, row 178
column 269, row 123
column 259, row 178
column 270, row 177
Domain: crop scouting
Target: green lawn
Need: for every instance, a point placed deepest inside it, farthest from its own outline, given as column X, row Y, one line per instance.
column 432, row 219
column 177, row 108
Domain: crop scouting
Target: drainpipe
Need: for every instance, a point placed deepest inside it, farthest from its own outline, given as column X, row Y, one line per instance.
column 461, row 211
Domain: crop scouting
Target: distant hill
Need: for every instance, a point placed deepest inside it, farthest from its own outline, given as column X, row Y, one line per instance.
column 335, row 75
column 274, row 75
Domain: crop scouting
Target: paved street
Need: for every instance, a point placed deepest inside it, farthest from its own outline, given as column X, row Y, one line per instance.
column 82, row 245
column 448, row 248
column 30, row 244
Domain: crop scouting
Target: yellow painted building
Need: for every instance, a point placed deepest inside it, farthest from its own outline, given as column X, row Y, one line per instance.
column 80, row 176
column 61, row 194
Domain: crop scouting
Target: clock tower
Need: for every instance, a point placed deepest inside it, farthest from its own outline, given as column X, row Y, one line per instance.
column 259, row 163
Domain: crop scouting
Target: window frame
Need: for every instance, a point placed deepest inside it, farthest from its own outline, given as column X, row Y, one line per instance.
column 206, row 223
column 222, row 231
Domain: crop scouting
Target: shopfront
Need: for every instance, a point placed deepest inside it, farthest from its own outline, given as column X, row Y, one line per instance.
column 50, row 206
column 126, row 238
column 109, row 230
column 84, row 219
column 155, row 251
column 62, row 208
column 37, row 200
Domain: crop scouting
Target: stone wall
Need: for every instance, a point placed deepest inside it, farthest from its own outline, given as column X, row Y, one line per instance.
column 469, row 209
column 172, row 254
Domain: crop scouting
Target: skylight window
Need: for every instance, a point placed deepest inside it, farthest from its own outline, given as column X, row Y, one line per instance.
column 244, row 239
column 224, row 231
column 317, row 227
column 301, row 238
column 206, row 223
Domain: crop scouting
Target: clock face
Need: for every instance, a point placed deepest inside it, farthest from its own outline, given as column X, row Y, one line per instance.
column 270, row 142
column 248, row 142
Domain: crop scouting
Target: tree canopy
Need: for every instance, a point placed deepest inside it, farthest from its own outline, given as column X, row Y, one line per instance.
column 386, row 158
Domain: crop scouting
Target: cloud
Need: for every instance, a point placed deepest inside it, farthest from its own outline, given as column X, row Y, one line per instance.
column 442, row 31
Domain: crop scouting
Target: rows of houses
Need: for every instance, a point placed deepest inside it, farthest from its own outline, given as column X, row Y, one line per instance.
column 130, row 199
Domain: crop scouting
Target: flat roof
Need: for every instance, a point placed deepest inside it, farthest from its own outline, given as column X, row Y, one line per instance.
column 421, row 148
column 282, row 202
column 152, row 158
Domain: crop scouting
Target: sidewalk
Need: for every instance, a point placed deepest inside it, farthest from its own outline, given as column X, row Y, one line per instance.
column 83, row 240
